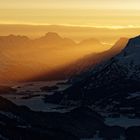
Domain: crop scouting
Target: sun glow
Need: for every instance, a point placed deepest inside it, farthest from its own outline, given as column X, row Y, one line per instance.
column 72, row 17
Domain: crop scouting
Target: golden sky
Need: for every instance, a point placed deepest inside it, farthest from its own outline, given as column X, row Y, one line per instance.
column 106, row 13
column 106, row 4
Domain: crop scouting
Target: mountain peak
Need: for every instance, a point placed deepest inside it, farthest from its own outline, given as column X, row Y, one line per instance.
column 14, row 38
column 134, row 43
column 120, row 44
column 52, row 35
column 137, row 37
column 90, row 41
column 131, row 53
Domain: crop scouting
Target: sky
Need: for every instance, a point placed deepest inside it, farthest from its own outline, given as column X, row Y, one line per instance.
column 105, row 13
column 107, row 4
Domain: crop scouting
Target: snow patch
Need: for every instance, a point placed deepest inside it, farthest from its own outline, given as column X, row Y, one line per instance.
column 133, row 95
column 122, row 121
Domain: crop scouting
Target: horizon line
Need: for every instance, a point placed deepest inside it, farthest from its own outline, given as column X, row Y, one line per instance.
column 80, row 26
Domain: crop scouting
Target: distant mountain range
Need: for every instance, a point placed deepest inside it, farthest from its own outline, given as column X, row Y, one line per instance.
column 83, row 64
column 49, row 40
column 22, row 58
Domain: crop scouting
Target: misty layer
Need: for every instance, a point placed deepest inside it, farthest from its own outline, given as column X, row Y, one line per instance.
column 22, row 58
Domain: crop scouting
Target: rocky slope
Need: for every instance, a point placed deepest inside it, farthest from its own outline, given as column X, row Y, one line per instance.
column 112, row 87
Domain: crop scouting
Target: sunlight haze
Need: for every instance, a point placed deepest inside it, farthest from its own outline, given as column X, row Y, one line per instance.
column 110, row 13
column 40, row 36
column 86, row 4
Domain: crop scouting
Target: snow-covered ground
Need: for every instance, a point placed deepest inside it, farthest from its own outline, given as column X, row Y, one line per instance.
column 35, row 86
column 122, row 121
column 134, row 95
column 30, row 95
column 38, row 104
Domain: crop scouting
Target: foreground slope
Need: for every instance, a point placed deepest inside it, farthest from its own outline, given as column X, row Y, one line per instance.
column 19, row 122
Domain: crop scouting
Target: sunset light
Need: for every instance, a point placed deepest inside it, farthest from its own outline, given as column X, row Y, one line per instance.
column 69, row 69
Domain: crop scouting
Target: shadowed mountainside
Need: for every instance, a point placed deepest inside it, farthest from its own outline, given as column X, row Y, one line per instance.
column 112, row 86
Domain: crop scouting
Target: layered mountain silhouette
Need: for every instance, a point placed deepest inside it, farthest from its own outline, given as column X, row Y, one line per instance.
column 91, row 43
column 112, row 86
column 13, row 40
column 83, row 64
column 52, row 39
column 22, row 58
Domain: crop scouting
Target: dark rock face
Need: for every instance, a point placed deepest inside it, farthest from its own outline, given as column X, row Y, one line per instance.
column 19, row 122
column 133, row 133
column 110, row 88
column 22, row 123
column 112, row 85
column 7, row 90
column 49, row 89
column 111, row 133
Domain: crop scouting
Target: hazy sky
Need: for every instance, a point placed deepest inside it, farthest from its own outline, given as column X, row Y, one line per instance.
column 71, row 12
column 118, row 4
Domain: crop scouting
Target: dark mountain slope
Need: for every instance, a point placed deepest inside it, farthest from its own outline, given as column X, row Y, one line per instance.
column 112, row 86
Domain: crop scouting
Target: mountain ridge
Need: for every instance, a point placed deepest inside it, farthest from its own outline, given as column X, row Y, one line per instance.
column 110, row 86
column 87, row 62
column 38, row 55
